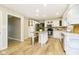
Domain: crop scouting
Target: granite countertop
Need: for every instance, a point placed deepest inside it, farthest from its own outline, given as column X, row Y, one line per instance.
column 70, row 34
column 39, row 31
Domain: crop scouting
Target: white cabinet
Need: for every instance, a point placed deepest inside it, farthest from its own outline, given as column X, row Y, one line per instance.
column 71, row 44
column 30, row 31
column 43, row 37
column 52, row 22
column 64, row 22
column 57, row 34
column 31, row 27
column 48, row 22
column 66, row 39
column 74, row 12
column 73, row 15
column 74, row 21
column 56, row 22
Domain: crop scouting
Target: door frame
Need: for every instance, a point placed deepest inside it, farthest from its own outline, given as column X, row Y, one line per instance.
column 21, row 24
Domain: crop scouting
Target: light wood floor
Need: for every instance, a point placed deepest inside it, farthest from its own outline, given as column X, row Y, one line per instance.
column 53, row 47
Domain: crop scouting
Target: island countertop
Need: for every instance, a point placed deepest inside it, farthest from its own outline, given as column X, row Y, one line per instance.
column 39, row 31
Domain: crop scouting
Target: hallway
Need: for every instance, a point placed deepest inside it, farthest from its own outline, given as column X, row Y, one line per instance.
column 53, row 47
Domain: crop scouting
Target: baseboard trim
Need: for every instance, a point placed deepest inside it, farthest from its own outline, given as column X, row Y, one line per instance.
column 13, row 38
column 27, row 38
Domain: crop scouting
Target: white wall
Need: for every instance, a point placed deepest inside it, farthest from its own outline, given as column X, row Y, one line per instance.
column 4, row 26
column 26, row 28
column 3, row 40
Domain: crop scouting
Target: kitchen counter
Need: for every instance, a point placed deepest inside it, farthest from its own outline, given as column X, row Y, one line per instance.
column 42, row 37
column 39, row 31
column 71, row 43
column 68, row 33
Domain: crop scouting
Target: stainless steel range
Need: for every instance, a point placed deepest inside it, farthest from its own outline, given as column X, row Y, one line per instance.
column 50, row 30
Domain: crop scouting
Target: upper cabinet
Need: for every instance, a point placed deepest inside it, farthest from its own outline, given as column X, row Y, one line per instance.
column 73, row 15
column 74, row 12
column 65, row 22
column 32, row 23
column 54, row 23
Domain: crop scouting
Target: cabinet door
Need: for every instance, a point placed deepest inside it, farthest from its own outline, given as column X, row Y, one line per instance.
column 74, row 12
column 73, row 15
column 56, row 34
column 74, row 21
column 65, row 43
column 64, row 22
column 56, row 22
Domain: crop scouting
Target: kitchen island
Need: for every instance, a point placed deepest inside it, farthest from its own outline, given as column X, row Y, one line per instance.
column 42, row 37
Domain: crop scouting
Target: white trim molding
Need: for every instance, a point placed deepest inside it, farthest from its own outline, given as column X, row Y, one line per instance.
column 22, row 28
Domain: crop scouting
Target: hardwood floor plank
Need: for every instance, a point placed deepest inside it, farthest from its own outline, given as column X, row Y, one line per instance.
column 53, row 47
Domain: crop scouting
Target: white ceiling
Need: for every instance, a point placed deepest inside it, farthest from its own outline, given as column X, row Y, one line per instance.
column 39, row 11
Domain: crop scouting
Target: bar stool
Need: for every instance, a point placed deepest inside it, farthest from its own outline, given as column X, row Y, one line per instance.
column 34, row 36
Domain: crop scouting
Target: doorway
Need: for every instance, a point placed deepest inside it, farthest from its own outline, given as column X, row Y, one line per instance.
column 14, row 30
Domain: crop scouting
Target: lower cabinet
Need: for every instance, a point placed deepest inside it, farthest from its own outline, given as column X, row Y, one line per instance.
column 57, row 34
column 43, row 37
column 71, row 44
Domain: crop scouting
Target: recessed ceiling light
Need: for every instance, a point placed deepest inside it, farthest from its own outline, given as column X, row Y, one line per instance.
column 37, row 10
column 57, row 13
column 45, row 4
